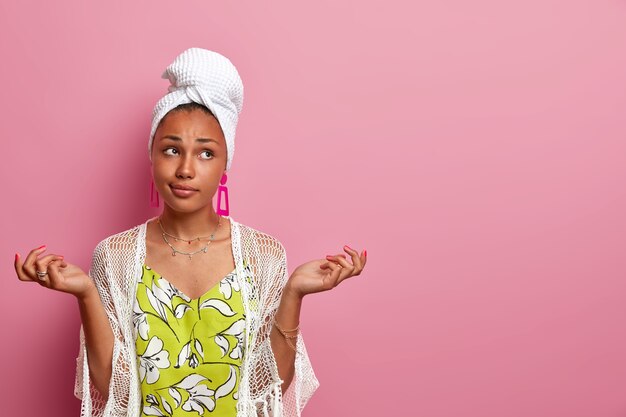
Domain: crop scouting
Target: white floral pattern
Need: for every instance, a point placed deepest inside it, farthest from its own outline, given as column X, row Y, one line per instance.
column 140, row 321
column 153, row 359
column 200, row 396
column 228, row 285
column 193, row 348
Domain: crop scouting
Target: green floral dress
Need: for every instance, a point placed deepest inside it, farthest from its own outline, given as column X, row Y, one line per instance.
column 189, row 351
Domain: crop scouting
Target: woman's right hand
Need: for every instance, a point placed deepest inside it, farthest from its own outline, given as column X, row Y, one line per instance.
column 61, row 276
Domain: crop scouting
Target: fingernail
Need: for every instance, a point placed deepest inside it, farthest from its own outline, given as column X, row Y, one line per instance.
column 346, row 246
column 17, row 256
column 364, row 252
column 42, row 246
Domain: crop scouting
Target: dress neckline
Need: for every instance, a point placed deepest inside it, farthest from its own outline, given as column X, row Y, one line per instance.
column 144, row 242
column 186, row 296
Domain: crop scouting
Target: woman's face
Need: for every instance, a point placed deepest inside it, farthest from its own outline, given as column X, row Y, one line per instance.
column 188, row 149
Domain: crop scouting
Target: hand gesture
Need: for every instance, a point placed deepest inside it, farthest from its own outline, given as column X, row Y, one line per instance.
column 319, row 275
column 54, row 273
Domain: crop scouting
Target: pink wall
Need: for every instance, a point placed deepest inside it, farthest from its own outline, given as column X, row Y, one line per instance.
column 476, row 149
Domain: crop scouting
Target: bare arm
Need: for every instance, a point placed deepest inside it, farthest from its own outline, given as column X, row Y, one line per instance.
column 288, row 318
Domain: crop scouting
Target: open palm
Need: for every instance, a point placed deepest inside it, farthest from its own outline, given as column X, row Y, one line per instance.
column 322, row 275
column 62, row 276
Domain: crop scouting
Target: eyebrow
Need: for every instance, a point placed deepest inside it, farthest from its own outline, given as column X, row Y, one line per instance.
column 177, row 139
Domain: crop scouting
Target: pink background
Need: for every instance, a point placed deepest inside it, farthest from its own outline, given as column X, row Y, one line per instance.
column 475, row 149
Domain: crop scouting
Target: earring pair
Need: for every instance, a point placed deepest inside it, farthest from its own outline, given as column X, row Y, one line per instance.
column 222, row 189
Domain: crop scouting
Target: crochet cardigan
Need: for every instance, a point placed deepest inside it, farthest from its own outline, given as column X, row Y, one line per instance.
column 116, row 268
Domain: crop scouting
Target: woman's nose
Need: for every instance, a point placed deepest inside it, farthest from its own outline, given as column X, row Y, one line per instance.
column 185, row 169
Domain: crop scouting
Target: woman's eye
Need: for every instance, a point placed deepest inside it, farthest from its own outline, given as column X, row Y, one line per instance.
column 208, row 154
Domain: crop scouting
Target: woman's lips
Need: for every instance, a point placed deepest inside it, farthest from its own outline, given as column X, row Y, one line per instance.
column 182, row 193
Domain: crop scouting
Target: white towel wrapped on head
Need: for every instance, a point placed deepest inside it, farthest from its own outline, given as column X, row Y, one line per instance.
column 208, row 78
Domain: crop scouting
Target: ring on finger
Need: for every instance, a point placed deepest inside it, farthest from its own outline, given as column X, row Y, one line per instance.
column 42, row 275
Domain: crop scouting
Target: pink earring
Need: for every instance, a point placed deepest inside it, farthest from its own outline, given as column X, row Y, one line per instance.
column 222, row 189
column 154, row 195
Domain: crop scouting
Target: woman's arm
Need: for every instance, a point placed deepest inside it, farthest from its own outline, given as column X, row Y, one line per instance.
column 98, row 340
column 311, row 277
column 288, row 317
column 69, row 278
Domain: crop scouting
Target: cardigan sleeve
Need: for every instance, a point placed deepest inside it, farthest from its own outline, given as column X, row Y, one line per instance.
column 84, row 389
column 93, row 403
column 304, row 382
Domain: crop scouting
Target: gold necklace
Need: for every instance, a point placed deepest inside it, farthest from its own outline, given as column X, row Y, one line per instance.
column 190, row 254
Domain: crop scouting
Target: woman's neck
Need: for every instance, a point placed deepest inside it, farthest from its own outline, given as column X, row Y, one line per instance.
column 191, row 225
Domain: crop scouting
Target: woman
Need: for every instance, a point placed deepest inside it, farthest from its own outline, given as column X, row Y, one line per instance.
column 191, row 312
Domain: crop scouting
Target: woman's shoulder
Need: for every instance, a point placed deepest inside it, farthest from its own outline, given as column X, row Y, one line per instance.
column 259, row 240
column 123, row 240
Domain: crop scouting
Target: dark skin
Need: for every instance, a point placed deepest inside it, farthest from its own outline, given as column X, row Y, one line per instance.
column 189, row 148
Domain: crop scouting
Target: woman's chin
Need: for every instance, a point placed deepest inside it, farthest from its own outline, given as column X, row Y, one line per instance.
column 185, row 206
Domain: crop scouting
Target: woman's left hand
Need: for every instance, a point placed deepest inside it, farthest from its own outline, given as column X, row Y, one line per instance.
column 322, row 275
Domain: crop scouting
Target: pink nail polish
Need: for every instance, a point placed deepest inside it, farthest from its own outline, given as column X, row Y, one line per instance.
column 17, row 255
column 42, row 246
column 364, row 252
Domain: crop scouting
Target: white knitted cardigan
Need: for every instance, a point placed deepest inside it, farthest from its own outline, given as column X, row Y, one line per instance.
column 116, row 268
